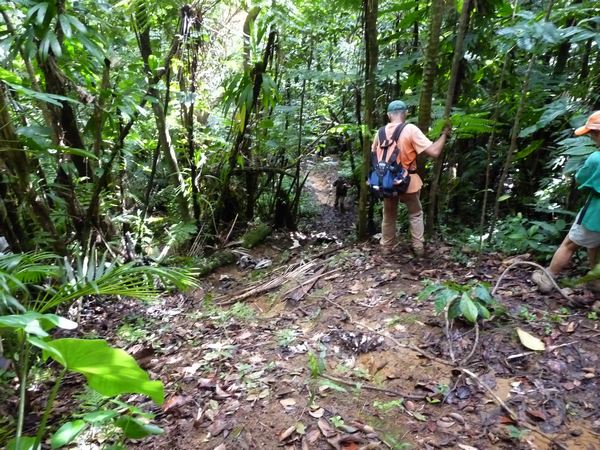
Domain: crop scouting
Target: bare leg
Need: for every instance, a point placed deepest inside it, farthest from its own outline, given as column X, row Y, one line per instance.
column 562, row 256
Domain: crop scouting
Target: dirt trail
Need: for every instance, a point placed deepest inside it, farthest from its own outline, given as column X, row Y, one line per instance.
column 322, row 174
column 258, row 374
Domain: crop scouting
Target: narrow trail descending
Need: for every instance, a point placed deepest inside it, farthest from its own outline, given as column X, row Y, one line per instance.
column 328, row 219
column 298, row 358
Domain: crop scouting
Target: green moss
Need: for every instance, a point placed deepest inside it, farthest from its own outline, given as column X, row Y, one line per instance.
column 256, row 235
column 213, row 262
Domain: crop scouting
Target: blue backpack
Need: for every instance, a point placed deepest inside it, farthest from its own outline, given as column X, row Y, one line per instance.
column 387, row 177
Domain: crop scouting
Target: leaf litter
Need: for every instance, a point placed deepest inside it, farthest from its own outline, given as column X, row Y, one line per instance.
column 234, row 381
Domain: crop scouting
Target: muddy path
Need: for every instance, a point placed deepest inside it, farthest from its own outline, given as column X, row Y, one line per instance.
column 326, row 218
column 294, row 356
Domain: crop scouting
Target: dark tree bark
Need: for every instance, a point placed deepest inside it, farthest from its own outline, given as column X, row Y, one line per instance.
column 370, row 9
column 159, row 109
column 458, row 56
column 430, row 64
column 17, row 188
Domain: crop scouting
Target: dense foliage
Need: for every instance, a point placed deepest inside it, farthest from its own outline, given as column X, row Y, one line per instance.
column 133, row 131
column 126, row 125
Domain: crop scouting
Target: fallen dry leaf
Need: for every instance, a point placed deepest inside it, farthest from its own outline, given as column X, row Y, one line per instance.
column 569, row 327
column 287, row 402
column 217, row 427
column 457, row 417
column 220, row 393
column 327, row 430
column 174, row 402
column 287, row 433
column 313, row 436
column 346, row 442
column 445, row 422
column 529, row 341
column 304, row 444
column 537, row 414
column 317, row 413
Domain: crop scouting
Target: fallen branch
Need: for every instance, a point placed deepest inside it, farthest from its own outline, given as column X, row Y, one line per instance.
column 529, row 263
column 503, row 404
column 549, row 349
column 292, row 293
column 373, row 388
column 267, row 286
column 330, row 251
column 497, row 399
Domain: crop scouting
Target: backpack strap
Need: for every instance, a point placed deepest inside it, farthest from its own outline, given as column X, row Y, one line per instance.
column 398, row 131
column 385, row 144
column 380, row 139
column 585, row 207
column 395, row 136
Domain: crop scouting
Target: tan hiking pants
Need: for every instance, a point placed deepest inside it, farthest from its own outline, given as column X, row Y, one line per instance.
column 415, row 219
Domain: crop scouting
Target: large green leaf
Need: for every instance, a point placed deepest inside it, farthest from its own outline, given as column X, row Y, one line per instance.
column 136, row 429
column 100, row 416
column 26, row 443
column 35, row 323
column 482, row 293
column 429, row 290
column 443, row 298
column 110, row 371
column 468, row 308
column 67, row 433
column 127, row 280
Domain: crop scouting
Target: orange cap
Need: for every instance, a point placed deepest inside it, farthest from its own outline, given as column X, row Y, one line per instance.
column 593, row 123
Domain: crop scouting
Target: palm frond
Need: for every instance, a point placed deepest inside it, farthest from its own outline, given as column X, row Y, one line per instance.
column 126, row 280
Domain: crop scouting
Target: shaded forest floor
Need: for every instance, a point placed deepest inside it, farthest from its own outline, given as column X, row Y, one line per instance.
column 293, row 355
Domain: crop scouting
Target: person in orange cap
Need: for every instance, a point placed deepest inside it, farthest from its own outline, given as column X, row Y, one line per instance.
column 585, row 231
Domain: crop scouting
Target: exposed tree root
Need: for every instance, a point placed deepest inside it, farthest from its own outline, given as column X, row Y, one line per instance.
column 529, row 263
column 503, row 405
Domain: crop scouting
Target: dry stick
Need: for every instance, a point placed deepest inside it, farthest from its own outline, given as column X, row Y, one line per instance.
column 329, row 251
column 312, row 280
column 267, row 286
column 447, row 331
column 503, row 405
column 373, row 388
column 550, row 349
column 231, row 229
column 475, row 343
column 529, row 263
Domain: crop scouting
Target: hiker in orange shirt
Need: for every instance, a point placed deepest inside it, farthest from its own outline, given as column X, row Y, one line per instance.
column 411, row 143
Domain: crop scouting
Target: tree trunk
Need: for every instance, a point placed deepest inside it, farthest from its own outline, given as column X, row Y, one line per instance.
column 458, row 55
column 14, row 161
column 585, row 61
column 562, row 55
column 514, row 134
column 164, row 136
column 370, row 8
column 430, row 64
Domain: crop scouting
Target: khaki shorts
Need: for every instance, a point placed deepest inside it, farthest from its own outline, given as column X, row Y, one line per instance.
column 583, row 237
